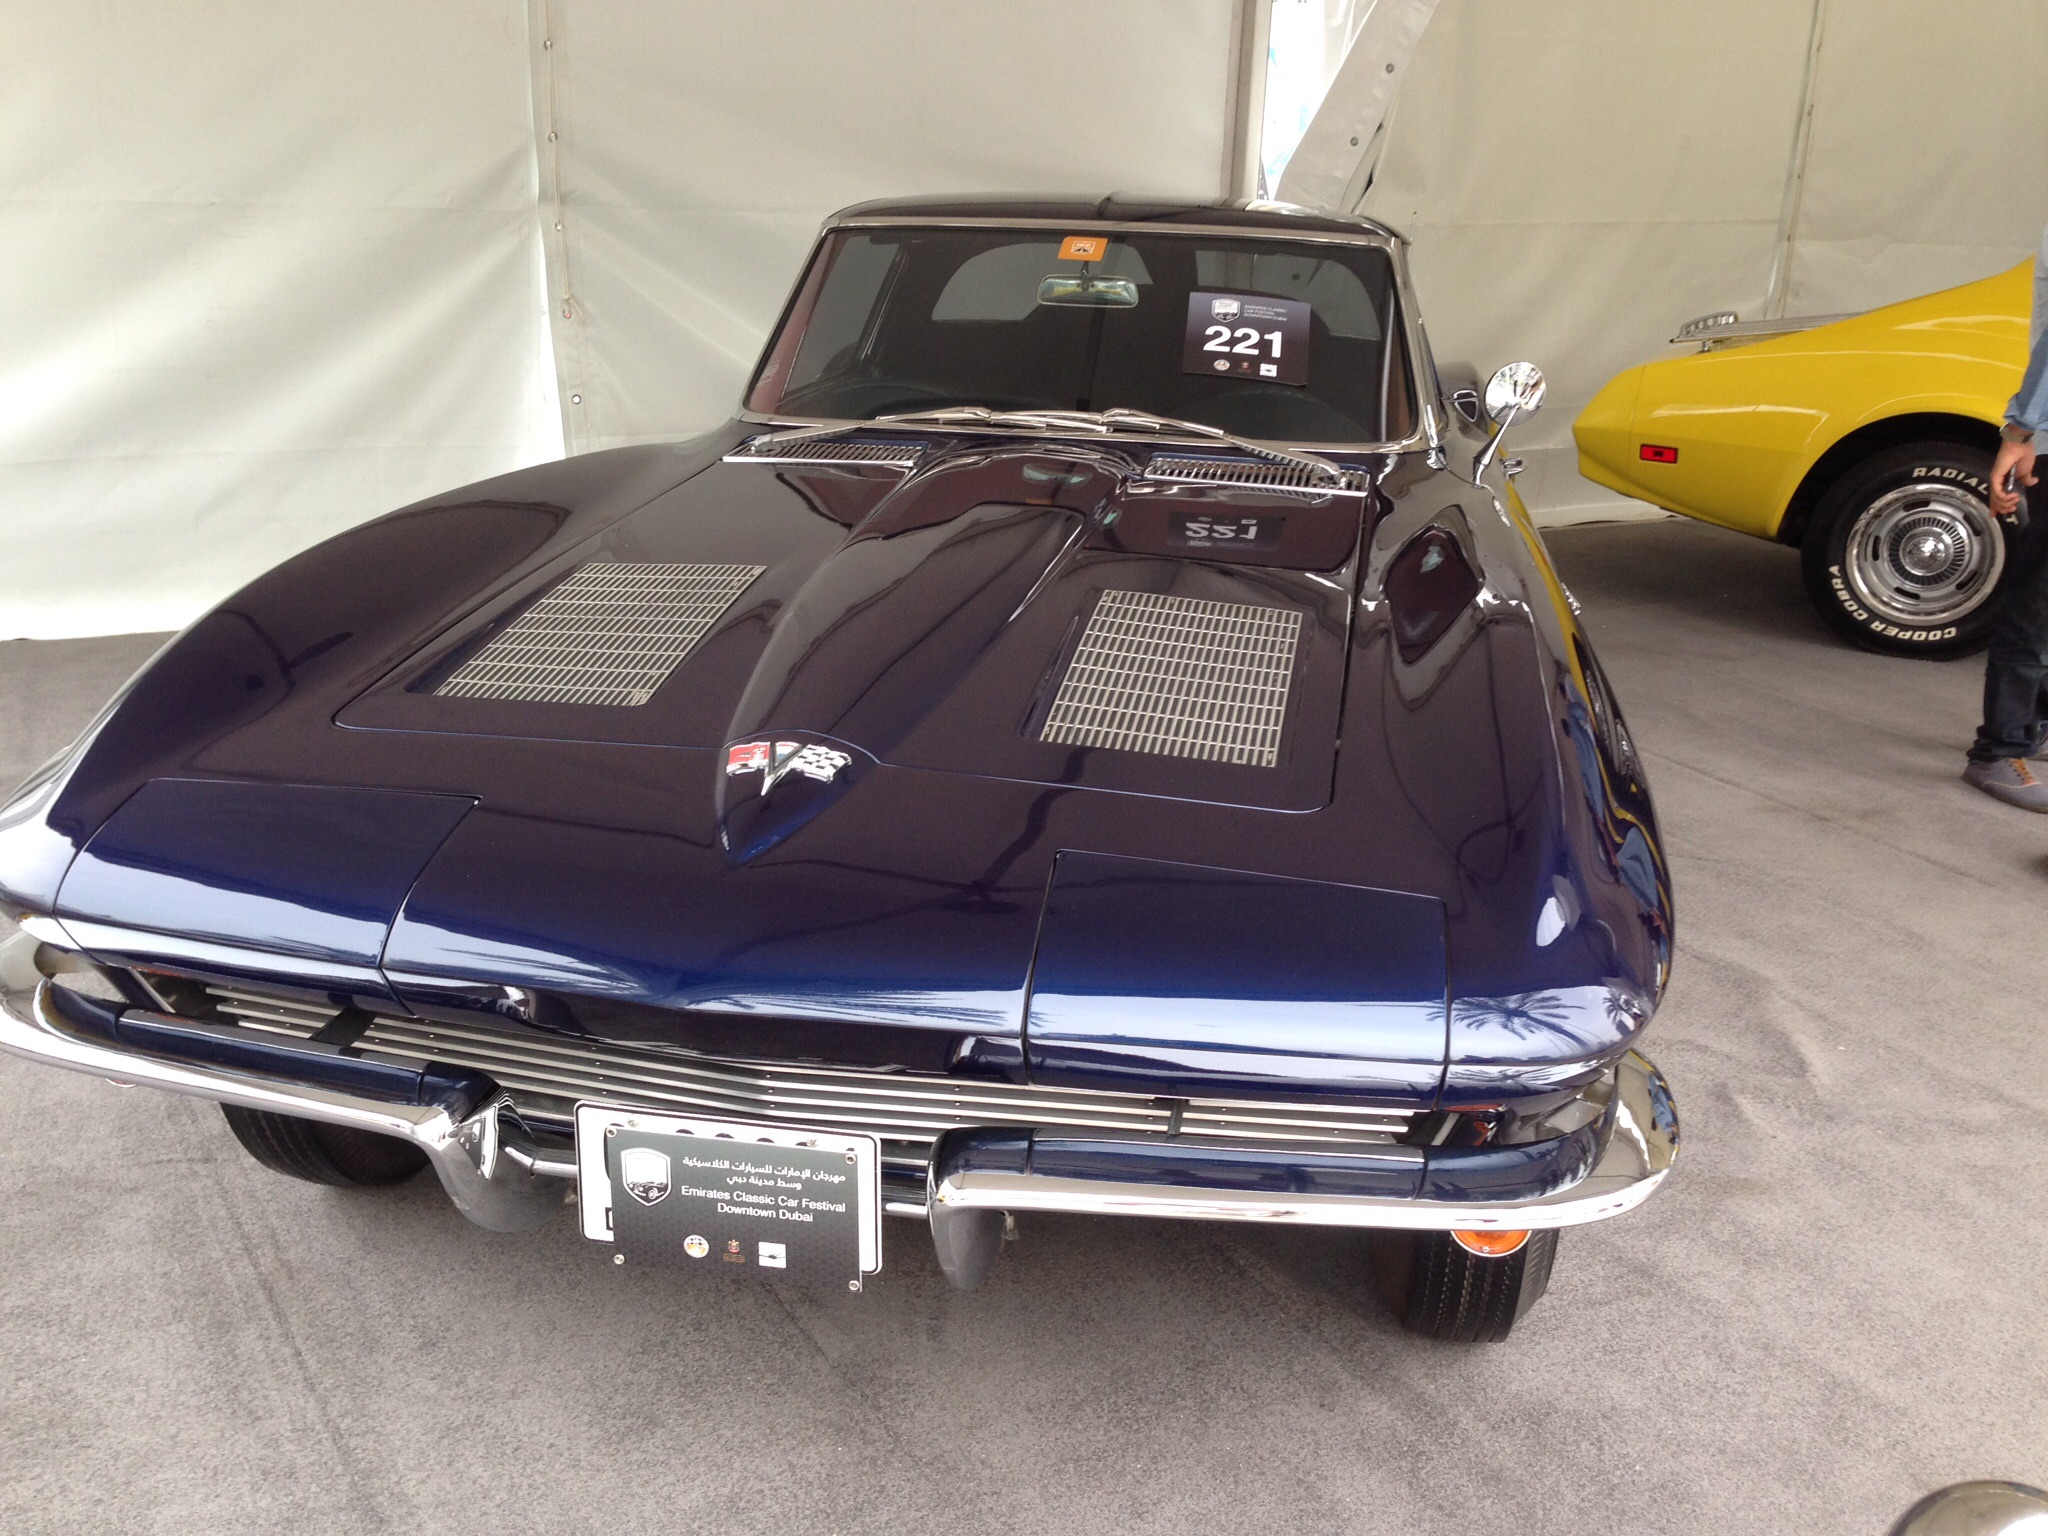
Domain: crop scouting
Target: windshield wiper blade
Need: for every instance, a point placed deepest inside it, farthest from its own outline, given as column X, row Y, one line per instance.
column 938, row 416
column 1119, row 418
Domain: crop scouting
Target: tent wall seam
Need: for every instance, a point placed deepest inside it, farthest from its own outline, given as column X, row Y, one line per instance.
column 1779, row 290
column 565, row 328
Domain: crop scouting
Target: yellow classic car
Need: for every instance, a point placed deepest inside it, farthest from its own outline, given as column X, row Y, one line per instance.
column 1863, row 440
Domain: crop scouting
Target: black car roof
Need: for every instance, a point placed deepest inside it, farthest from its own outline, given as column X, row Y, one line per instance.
column 1118, row 208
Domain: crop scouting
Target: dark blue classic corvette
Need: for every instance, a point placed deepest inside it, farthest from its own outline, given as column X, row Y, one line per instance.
column 1096, row 733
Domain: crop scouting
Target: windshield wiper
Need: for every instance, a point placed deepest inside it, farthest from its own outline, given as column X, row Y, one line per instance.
column 1117, row 418
column 1106, row 423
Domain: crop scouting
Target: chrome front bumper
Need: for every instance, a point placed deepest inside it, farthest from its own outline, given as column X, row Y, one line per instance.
column 1633, row 1148
column 477, row 1152
column 499, row 1178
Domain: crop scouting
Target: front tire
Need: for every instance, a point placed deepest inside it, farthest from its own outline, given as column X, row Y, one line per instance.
column 1438, row 1289
column 1903, row 554
column 323, row 1154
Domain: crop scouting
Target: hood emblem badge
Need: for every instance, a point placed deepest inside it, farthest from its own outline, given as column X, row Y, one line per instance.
column 753, row 816
column 778, row 759
column 644, row 1172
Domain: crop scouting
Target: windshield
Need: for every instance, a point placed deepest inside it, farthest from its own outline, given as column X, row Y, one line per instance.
column 1264, row 338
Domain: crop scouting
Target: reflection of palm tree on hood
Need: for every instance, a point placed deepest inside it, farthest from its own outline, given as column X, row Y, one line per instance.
column 1566, row 1014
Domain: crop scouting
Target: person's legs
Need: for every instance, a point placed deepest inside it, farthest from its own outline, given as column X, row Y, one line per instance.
column 2016, row 665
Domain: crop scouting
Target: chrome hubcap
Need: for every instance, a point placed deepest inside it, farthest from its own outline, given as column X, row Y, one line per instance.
column 1924, row 555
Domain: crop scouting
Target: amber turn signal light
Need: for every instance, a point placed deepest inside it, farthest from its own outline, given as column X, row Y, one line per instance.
column 1490, row 1245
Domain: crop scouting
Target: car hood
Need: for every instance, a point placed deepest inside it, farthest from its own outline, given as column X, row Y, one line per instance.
column 911, row 617
column 927, row 617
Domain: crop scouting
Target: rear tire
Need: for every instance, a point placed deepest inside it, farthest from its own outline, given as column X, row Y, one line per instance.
column 323, row 1154
column 1439, row 1290
column 1903, row 555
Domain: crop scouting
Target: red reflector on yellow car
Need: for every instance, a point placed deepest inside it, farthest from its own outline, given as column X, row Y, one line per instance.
column 1658, row 453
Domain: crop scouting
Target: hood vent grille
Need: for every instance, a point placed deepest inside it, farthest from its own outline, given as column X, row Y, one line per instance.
column 1259, row 474
column 902, row 456
column 1179, row 676
column 610, row 634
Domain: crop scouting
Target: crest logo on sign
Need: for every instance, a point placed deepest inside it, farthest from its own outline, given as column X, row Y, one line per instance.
column 1225, row 309
column 645, row 1173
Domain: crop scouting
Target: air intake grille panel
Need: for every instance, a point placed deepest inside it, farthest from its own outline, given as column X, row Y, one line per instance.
column 889, row 455
column 610, row 634
column 1260, row 474
column 547, row 1074
column 1179, row 676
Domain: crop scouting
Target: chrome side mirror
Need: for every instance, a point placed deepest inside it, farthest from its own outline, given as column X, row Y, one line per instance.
column 1976, row 1509
column 1516, row 390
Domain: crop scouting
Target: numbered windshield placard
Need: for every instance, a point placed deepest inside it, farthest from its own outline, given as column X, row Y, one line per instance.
column 1247, row 336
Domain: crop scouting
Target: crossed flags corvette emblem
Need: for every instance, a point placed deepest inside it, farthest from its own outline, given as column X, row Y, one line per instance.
column 751, row 818
column 778, row 759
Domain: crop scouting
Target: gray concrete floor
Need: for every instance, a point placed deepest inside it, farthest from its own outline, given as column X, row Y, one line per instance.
column 1837, row 1304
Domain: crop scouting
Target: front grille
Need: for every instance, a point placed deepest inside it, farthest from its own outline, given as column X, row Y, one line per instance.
column 821, row 451
column 1180, row 676
column 547, row 1074
column 609, row 634
column 1263, row 474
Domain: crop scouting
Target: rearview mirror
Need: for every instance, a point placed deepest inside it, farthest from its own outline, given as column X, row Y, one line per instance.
column 1088, row 292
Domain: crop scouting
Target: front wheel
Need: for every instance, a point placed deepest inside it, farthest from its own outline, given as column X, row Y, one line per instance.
column 323, row 1154
column 1903, row 554
column 1466, row 1288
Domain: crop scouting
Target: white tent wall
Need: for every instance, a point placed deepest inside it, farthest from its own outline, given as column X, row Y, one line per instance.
column 265, row 271
column 1927, row 163
column 1581, row 177
column 698, row 145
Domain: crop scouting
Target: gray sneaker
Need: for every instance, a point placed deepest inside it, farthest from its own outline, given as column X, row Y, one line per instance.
column 2011, row 780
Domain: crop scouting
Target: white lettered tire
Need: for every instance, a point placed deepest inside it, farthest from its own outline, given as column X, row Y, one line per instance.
column 1903, row 554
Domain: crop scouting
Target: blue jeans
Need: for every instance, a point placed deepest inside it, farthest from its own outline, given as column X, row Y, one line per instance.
column 2016, row 666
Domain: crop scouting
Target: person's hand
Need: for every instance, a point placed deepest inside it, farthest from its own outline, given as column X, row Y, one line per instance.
column 2011, row 456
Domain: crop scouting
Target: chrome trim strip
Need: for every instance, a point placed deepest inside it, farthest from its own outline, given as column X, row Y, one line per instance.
column 1710, row 336
column 115, row 944
column 1430, row 429
column 493, row 1177
column 1368, row 233
column 1636, row 1157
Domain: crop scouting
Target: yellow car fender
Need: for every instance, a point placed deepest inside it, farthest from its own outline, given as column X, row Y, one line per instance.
column 1742, row 430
